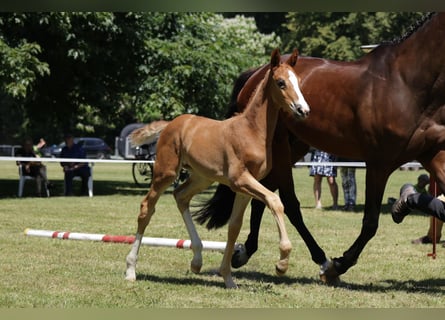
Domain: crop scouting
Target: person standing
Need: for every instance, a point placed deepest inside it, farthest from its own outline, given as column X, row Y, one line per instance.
column 320, row 171
column 349, row 185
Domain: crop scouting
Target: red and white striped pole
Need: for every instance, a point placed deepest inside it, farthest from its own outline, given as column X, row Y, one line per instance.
column 154, row 242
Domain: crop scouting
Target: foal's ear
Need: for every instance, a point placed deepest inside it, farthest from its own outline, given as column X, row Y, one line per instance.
column 275, row 58
column 293, row 58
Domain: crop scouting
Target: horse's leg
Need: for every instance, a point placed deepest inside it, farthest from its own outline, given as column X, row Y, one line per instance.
column 291, row 208
column 293, row 212
column 286, row 151
column 183, row 195
column 436, row 167
column 236, row 219
column 242, row 252
column 165, row 170
column 376, row 178
column 280, row 177
column 249, row 185
column 147, row 210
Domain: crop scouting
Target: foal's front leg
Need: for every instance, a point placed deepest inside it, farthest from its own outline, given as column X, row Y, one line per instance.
column 248, row 184
column 147, row 210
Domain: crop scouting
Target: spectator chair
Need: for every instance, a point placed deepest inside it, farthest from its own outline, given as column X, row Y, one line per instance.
column 23, row 178
column 90, row 180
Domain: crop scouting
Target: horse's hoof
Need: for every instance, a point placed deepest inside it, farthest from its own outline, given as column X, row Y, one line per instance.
column 195, row 268
column 329, row 275
column 230, row 284
column 239, row 256
column 130, row 275
column 279, row 272
column 281, row 267
column 330, row 281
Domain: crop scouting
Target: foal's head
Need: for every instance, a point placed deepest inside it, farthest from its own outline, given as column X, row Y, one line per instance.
column 287, row 94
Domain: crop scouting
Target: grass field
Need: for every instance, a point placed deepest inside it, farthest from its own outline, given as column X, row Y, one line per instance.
column 42, row 272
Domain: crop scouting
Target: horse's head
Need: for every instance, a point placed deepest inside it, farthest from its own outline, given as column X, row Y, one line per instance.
column 285, row 79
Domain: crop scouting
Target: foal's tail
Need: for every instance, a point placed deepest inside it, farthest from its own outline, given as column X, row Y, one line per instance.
column 216, row 211
column 147, row 134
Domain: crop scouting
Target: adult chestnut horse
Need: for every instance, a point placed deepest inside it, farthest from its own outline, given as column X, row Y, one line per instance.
column 213, row 150
column 386, row 109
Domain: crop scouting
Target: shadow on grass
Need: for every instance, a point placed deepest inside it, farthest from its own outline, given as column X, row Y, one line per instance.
column 360, row 209
column 431, row 286
column 185, row 280
column 9, row 188
column 212, row 278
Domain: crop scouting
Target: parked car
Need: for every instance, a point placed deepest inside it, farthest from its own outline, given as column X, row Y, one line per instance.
column 47, row 151
column 95, row 148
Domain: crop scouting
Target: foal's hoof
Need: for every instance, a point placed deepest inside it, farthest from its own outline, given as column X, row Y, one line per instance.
column 230, row 284
column 130, row 275
column 329, row 275
column 281, row 267
column 239, row 256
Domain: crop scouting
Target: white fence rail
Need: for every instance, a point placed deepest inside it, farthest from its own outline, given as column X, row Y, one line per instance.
column 42, row 159
column 358, row 164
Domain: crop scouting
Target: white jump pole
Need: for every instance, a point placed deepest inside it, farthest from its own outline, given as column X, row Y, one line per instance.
column 154, row 242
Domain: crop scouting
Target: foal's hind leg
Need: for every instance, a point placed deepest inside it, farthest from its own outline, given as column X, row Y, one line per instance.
column 147, row 209
column 235, row 223
column 183, row 195
column 243, row 252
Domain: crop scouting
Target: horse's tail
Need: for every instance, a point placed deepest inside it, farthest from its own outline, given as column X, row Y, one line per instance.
column 216, row 211
column 147, row 133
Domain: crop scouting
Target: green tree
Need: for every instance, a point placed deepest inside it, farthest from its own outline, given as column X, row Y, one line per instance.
column 93, row 73
column 339, row 35
column 19, row 69
column 192, row 61
column 87, row 62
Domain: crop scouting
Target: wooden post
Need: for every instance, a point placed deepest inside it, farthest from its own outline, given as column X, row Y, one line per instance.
column 434, row 192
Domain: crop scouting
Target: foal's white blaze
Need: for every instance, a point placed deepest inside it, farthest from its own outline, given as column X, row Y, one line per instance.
column 301, row 101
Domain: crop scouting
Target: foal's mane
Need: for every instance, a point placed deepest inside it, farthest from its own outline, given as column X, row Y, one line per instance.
column 411, row 29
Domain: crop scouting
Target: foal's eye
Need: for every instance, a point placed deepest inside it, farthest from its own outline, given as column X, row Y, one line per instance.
column 281, row 83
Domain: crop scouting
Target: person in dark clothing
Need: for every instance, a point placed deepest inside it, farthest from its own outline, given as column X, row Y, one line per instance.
column 73, row 169
column 410, row 199
column 435, row 226
column 349, row 185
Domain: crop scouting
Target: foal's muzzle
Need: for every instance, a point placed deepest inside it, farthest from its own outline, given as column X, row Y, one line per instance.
column 300, row 110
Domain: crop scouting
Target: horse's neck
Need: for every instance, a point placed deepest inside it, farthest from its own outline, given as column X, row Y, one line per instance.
column 421, row 53
column 261, row 113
